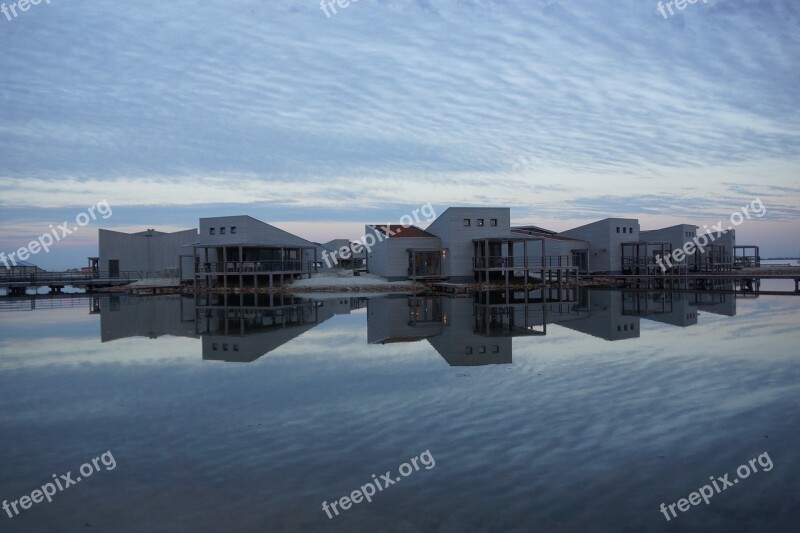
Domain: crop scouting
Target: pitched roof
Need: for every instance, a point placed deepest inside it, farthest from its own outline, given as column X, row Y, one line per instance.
column 397, row 230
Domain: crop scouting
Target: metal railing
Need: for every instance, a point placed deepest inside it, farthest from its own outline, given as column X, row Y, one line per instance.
column 16, row 276
column 516, row 262
column 253, row 267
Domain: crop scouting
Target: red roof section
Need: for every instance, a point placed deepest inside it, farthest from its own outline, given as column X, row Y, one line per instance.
column 398, row 230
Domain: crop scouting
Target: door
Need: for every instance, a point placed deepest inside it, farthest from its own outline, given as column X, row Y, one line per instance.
column 113, row 268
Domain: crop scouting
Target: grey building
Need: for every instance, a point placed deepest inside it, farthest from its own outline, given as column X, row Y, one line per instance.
column 348, row 256
column 239, row 251
column 558, row 249
column 673, row 238
column 401, row 253
column 150, row 253
column 459, row 229
column 605, row 239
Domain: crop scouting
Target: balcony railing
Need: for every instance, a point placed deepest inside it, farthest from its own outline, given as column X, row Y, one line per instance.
column 253, row 267
column 518, row 263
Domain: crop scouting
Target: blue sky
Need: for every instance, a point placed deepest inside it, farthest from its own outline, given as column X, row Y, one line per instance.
column 566, row 112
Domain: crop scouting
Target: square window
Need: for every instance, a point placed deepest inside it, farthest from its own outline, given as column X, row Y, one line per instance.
column 233, row 230
column 212, row 231
column 466, row 222
column 480, row 222
column 493, row 222
column 482, row 349
column 468, row 350
column 495, row 349
column 222, row 231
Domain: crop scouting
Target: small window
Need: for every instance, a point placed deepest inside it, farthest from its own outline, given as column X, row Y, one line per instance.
column 619, row 328
column 624, row 230
column 468, row 350
column 235, row 347
column 466, row 222
column 233, row 230
column 222, row 231
column 495, row 349
column 482, row 349
column 214, row 346
column 480, row 222
column 493, row 222
column 225, row 347
column 617, row 229
column 212, row 231
column 630, row 230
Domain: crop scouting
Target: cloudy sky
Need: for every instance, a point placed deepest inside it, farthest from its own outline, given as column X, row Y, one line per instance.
column 565, row 111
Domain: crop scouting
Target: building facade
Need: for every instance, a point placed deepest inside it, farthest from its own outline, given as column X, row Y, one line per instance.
column 150, row 253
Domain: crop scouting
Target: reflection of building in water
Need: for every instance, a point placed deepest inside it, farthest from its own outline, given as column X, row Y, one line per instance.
column 715, row 301
column 244, row 327
column 123, row 315
column 469, row 331
column 672, row 308
column 402, row 318
column 606, row 317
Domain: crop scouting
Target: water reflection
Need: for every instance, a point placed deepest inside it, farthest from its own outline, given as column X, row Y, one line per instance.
column 465, row 331
column 579, row 434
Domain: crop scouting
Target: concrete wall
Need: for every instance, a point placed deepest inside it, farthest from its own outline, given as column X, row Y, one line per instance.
column 605, row 239
column 457, row 238
column 156, row 255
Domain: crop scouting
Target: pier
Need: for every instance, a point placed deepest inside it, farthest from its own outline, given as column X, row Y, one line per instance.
column 17, row 283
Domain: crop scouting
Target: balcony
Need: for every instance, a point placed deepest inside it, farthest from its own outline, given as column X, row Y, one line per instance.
column 253, row 267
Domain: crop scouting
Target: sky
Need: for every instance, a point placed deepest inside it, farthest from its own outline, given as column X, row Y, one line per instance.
column 565, row 111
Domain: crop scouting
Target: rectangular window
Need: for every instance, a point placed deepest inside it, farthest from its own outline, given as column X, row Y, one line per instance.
column 630, row 230
column 624, row 230
column 493, row 222
column 233, row 230
column 466, row 222
column 212, row 231
column 480, row 222
column 617, row 229
column 222, row 231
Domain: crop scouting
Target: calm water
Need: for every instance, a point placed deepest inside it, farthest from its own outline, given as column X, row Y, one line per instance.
column 582, row 415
